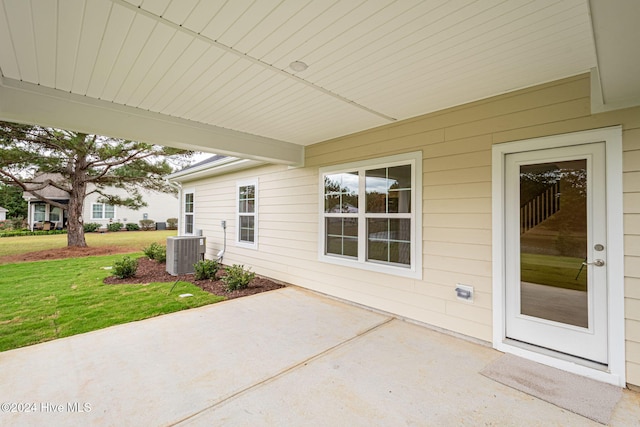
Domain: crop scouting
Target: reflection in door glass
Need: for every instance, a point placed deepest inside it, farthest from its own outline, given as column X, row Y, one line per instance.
column 553, row 241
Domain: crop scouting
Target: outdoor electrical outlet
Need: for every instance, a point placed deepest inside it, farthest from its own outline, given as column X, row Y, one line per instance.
column 464, row 292
column 223, row 223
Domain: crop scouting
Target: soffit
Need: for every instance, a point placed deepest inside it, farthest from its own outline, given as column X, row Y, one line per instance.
column 225, row 63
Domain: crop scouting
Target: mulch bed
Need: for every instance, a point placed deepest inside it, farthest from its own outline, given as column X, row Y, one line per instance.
column 152, row 271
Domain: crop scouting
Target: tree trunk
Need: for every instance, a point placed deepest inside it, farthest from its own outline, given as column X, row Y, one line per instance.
column 75, row 225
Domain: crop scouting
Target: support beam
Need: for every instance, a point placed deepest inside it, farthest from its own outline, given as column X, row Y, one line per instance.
column 33, row 104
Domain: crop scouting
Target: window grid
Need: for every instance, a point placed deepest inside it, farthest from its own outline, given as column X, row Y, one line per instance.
column 246, row 214
column 387, row 200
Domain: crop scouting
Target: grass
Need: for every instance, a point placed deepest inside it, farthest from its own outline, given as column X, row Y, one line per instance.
column 553, row 270
column 134, row 240
column 45, row 300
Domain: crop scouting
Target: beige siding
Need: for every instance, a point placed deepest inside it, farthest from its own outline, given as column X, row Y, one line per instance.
column 456, row 236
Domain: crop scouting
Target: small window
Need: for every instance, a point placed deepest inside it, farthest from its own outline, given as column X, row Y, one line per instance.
column 371, row 215
column 247, row 211
column 39, row 212
column 102, row 211
column 189, row 212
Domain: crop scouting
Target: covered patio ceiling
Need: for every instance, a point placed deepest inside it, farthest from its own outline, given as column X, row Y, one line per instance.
column 215, row 75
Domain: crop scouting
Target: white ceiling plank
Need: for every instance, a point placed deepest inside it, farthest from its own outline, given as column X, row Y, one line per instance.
column 156, row 69
column 8, row 60
column 264, row 87
column 175, row 74
column 286, row 50
column 154, row 45
column 156, row 7
column 438, row 58
column 251, row 25
column 178, row 12
column 290, row 29
column 192, row 85
column 22, row 34
column 431, row 34
column 92, row 36
column 70, row 16
column 136, row 38
column 225, row 18
column 202, row 14
column 45, row 31
column 115, row 34
column 474, row 62
column 247, row 74
column 206, row 84
column 254, row 35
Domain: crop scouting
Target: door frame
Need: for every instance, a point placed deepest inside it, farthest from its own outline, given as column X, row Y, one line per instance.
column 614, row 372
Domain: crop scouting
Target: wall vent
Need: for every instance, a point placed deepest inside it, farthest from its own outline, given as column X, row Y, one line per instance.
column 183, row 252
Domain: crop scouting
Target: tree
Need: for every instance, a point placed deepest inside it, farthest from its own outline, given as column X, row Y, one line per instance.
column 11, row 199
column 84, row 164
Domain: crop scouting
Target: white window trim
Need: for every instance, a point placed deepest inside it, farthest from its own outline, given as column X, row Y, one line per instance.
column 183, row 212
column 612, row 136
column 103, row 218
column 414, row 271
column 240, row 243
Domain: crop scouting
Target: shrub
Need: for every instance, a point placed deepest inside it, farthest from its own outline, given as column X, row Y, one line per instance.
column 237, row 277
column 18, row 233
column 115, row 226
column 172, row 223
column 147, row 224
column 206, row 269
column 132, row 226
column 90, row 227
column 125, row 267
column 18, row 223
column 156, row 251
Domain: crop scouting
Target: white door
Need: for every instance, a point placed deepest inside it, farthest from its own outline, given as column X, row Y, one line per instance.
column 556, row 250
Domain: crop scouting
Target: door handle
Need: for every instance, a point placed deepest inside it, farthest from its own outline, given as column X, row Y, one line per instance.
column 597, row 263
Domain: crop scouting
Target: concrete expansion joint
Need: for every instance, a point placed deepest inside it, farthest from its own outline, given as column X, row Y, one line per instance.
column 286, row 371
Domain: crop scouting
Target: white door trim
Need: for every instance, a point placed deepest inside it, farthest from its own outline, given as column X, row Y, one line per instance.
column 614, row 373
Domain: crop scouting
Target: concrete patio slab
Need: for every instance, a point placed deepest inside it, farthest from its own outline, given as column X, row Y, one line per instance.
column 287, row 357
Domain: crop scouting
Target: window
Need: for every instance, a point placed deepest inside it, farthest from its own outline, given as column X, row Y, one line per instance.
column 189, row 212
column 247, row 224
column 102, row 211
column 39, row 212
column 371, row 215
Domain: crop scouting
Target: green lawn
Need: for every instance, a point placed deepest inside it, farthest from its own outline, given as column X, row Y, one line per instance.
column 555, row 271
column 134, row 240
column 45, row 300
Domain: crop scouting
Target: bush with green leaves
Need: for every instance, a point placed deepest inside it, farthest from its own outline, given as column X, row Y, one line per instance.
column 172, row 223
column 237, row 277
column 206, row 269
column 147, row 224
column 115, row 226
column 125, row 267
column 130, row 226
column 156, row 251
column 90, row 227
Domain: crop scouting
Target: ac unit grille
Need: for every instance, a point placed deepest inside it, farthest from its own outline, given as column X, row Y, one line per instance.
column 183, row 252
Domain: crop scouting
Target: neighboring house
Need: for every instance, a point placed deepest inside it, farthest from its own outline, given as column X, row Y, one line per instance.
column 398, row 217
column 160, row 207
column 3, row 213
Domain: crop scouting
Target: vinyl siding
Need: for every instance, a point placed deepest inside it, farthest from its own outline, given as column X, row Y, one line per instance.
column 456, row 236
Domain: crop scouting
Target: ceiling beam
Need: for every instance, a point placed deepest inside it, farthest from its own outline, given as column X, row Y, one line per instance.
column 34, row 104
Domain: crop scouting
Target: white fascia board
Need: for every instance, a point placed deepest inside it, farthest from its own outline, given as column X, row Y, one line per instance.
column 222, row 166
column 24, row 102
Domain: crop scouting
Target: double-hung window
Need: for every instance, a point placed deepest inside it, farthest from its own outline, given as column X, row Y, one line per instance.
column 247, row 214
column 188, row 212
column 371, row 214
column 102, row 211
